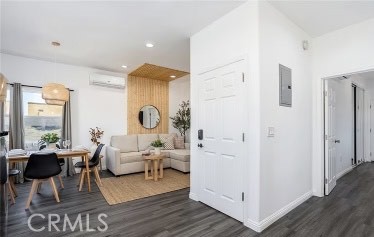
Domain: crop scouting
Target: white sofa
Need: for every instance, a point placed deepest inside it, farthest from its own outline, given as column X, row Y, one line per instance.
column 124, row 155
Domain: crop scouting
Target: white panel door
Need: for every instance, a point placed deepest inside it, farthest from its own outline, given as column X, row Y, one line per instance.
column 222, row 118
column 330, row 135
column 360, row 124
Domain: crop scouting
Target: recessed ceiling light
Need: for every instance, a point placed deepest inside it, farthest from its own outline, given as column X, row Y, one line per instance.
column 173, row 76
column 124, row 66
column 149, row 45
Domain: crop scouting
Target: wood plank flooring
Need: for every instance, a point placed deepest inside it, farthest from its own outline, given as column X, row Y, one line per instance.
column 348, row 211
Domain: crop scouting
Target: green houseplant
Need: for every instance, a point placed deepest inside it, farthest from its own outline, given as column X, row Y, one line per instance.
column 157, row 144
column 182, row 119
column 50, row 139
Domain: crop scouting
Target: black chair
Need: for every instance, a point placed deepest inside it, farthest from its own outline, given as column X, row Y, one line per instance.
column 42, row 167
column 93, row 163
column 61, row 161
column 11, row 186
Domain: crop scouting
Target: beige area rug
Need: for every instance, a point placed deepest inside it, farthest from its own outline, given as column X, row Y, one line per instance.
column 131, row 187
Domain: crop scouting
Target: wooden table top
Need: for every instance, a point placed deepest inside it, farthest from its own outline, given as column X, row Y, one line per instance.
column 60, row 154
column 154, row 157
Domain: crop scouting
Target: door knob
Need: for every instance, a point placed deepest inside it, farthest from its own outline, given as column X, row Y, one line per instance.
column 200, row 145
column 337, row 141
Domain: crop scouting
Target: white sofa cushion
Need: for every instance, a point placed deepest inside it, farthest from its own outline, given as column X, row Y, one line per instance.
column 145, row 140
column 125, row 143
column 181, row 154
column 130, row 157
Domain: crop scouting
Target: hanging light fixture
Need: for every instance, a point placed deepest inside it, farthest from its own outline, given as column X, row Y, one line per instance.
column 3, row 87
column 54, row 93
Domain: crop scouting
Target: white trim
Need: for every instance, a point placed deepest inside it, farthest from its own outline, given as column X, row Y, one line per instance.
column 344, row 172
column 262, row 225
column 194, row 197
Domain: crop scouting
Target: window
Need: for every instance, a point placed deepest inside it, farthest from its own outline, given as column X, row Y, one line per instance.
column 39, row 117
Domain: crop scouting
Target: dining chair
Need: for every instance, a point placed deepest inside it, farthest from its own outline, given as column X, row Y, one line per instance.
column 42, row 167
column 93, row 163
column 60, row 160
column 11, row 186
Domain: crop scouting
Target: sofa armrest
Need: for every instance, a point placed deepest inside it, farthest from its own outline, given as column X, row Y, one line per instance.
column 187, row 145
column 113, row 159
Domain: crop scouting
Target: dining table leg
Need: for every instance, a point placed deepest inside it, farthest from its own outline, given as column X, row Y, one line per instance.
column 88, row 173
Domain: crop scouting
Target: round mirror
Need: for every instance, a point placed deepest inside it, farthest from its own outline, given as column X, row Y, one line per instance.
column 149, row 116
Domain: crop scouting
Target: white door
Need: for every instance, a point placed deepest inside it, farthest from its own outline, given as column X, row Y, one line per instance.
column 371, row 158
column 330, row 135
column 360, row 125
column 222, row 118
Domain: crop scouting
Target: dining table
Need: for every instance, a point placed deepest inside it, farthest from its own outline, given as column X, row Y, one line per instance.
column 64, row 153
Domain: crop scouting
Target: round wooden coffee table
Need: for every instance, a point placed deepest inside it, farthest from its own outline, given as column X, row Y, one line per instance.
column 157, row 162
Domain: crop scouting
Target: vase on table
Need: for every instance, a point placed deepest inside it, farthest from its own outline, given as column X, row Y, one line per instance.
column 157, row 150
column 51, row 145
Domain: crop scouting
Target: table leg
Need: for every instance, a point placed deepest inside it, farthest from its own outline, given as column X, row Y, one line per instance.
column 88, row 173
column 145, row 169
column 155, row 170
column 161, row 168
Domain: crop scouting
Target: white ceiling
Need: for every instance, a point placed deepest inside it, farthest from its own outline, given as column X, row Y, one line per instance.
column 106, row 35
column 320, row 17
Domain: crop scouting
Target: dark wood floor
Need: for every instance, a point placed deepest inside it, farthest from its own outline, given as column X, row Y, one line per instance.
column 348, row 211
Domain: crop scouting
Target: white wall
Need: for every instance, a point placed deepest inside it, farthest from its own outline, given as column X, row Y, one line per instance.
column 91, row 105
column 286, row 157
column 231, row 37
column 340, row 52
column 179, row 90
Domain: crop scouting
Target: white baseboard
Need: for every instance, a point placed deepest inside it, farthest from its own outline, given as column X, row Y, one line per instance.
column 194, row 197
column 262, row 225
column 344, row 172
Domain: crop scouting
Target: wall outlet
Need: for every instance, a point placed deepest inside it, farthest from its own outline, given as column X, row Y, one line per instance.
column 271, row 132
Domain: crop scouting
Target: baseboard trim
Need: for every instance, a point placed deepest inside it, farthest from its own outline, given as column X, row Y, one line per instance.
column 193, row 196
column 262, row 225
column 344, row 172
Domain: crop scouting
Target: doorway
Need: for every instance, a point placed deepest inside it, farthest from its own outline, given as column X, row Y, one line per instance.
column 346, row 126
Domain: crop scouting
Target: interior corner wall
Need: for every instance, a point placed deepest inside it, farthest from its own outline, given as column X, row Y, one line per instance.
column 285, row 173
column 91, row 105
column 145, row 91
column 341, row 52
column 179, row 90
column 232, row 36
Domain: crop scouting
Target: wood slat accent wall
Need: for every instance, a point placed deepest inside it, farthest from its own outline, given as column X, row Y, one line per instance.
column 157, row 72
column 144, row 91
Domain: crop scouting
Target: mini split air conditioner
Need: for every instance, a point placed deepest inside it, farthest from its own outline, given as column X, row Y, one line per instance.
column 107, row 81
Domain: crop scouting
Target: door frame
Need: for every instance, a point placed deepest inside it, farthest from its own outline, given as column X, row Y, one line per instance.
column 195, row 168
column 318, row 157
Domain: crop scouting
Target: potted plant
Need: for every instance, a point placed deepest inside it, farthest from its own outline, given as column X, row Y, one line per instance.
column 96, row 134
column 50, row 140
column 182, row 118
column 157, row 144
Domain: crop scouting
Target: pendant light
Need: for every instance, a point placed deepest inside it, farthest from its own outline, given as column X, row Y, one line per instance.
column 54, row 93
column 3, row 87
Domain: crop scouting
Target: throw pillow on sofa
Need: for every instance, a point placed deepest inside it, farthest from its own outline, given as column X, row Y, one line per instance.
column 168, row 140
column 179, row 142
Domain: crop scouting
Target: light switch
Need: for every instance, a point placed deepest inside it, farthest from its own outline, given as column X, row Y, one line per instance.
column 271, row 132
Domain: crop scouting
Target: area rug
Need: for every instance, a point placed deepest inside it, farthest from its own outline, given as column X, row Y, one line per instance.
column 131, row 187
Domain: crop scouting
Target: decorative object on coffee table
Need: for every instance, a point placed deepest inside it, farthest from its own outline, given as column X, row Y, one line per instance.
column 156, row 163
column 182, row 119
column 157, row 144
column 49, row 139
